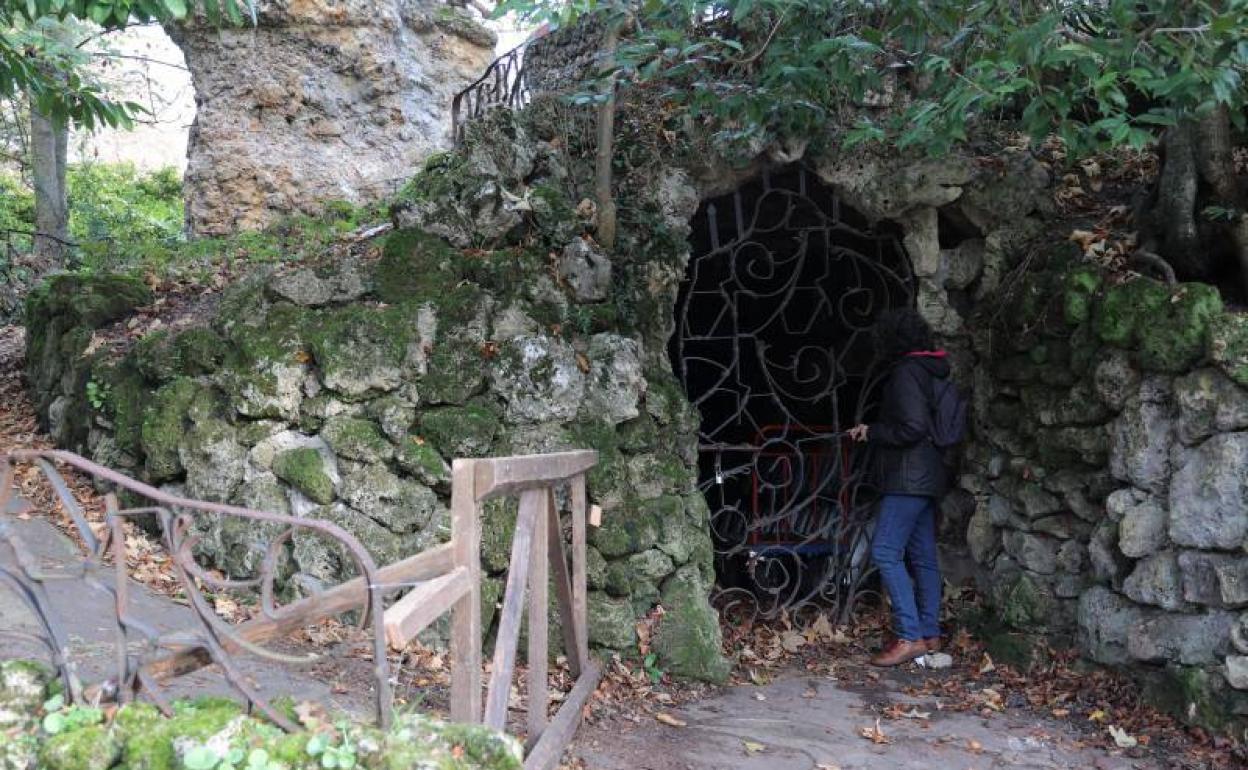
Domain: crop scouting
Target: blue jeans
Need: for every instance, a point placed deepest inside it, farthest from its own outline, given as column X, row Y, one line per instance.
column 906, row 529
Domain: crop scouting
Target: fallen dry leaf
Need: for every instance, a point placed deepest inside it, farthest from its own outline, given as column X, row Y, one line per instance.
column 753, row 747
column 986, row 666
column 670, row 720
column 874, row 734
column 1121, row 738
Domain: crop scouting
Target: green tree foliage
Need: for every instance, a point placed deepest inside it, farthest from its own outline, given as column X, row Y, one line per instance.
column 51, row 76
column 1098, row 73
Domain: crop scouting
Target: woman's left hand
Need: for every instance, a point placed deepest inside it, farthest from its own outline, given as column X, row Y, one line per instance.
column 859, row 432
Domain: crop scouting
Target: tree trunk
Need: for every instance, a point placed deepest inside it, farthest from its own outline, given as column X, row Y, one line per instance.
column 606, row 145
column 1197, row 172
column 49, row 142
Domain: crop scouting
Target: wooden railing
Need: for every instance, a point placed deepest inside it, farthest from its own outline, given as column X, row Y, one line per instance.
column 538, row 555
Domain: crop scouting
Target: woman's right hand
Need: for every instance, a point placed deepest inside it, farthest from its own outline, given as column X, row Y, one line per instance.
column 859, row 432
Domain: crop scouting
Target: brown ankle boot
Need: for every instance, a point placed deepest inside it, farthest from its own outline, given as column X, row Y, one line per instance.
column 933, row 643
column 899, row 651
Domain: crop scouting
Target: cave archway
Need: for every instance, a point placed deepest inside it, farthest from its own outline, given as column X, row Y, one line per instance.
column 772, row 345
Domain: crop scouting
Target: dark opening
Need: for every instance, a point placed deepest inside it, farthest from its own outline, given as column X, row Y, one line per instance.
column 772, row 345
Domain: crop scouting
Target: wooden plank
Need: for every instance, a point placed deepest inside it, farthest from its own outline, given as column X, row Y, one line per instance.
column 424, row 604
column 532, row 503
column 466, row 616
column 563, row 587
column 548, row 751
column 349, row 595
column 500, row 476
column 580, row 595
column 539, row 620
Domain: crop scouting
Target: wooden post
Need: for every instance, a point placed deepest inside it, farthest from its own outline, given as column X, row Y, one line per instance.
column 466, row 614
column 606, row 142
column 539, row 621
column 532, row 504
column 580, row 597
column 563, row 589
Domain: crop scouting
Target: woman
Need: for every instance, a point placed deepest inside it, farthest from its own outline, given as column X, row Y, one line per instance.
column 912, row 479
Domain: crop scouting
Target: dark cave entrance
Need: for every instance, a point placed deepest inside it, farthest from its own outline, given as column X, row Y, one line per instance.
column 772, row 345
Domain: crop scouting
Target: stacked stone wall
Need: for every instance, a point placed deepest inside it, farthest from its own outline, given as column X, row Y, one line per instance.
column 1110, row 472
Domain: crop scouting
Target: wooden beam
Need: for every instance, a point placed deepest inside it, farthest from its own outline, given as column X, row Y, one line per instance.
column 346, row 596
column 532, row 504
column 466, row 616
column 580, row 596
column 500, row 476
column 563, row 588
column 424, row 604
column 549, row 749
column 539, row 620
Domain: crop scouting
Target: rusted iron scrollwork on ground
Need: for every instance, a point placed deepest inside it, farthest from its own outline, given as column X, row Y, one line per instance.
column 145, row 656
column 773, row 347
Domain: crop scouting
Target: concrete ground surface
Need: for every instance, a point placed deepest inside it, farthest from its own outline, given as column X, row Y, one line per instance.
column 799, row 721
column 815, row 723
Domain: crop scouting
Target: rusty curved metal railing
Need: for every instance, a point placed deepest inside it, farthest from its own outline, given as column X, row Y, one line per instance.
column 503, row 84
column 138, row 673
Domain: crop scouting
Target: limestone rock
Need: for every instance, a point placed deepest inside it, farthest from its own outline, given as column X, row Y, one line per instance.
column 1003, row 197
column 307, row 287
column 273, row 388
column 399, row 505
column 303, row 469
column 1237, row 671
column 885, row 188
column 1209, row 402
column 1157, row 580
column 461, row 431
column 688, row 640
column 1232, row 580
column 1200, row 571
column 213, row 459
column 981, row 537
column 1109, row 565
column 1209, row 494
column 1032, row 552
column 614, row 385
column 539, row 379
column 586, row 270
column 1228, row 345
column 279, row 103
column 356, row 439
column 22, row 691
column 1188, row 639
column 963, row 263
column 650, row 565
column 1140, row 446
column 612, row 623
column 1143, row 522
column 1106, row 622
column 1115, row 379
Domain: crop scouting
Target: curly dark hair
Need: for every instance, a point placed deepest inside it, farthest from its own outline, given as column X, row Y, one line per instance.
column 901, row 331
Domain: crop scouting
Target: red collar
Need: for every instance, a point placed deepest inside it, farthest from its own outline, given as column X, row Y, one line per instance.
column 926, row 354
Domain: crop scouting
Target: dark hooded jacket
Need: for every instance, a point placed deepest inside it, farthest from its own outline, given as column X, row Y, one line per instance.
column 908, row 462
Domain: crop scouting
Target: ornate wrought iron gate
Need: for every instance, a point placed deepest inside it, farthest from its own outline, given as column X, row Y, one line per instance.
column 772, row 346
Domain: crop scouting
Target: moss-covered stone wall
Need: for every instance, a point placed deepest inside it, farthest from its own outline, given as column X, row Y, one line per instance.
column 1110, row 470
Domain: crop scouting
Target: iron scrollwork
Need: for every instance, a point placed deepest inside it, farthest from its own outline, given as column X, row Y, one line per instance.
column 144, row 655
column 772, row 346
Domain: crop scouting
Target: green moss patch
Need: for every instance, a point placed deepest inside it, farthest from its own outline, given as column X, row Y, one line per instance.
column 304, row 469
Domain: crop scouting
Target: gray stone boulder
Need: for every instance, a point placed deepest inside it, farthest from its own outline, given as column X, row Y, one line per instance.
column 1108, row 563
column 1188, row 639
column 689, row 641
column 1033, row 552
column 311, row 288
column 1157, row 580
column 1209, row 494
column 612, row 623
column 1232, row 579
column 1143, row 522
column 1209, row 403
column 1200, row 570
column 981, row 536
column 214, row 460
column 1236, row 671
column 586, row 270
column 540, row 379
column 400, row 505
column 1106, row 622
column 1140, row 442
column 1114, row 379
column 614, row 385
